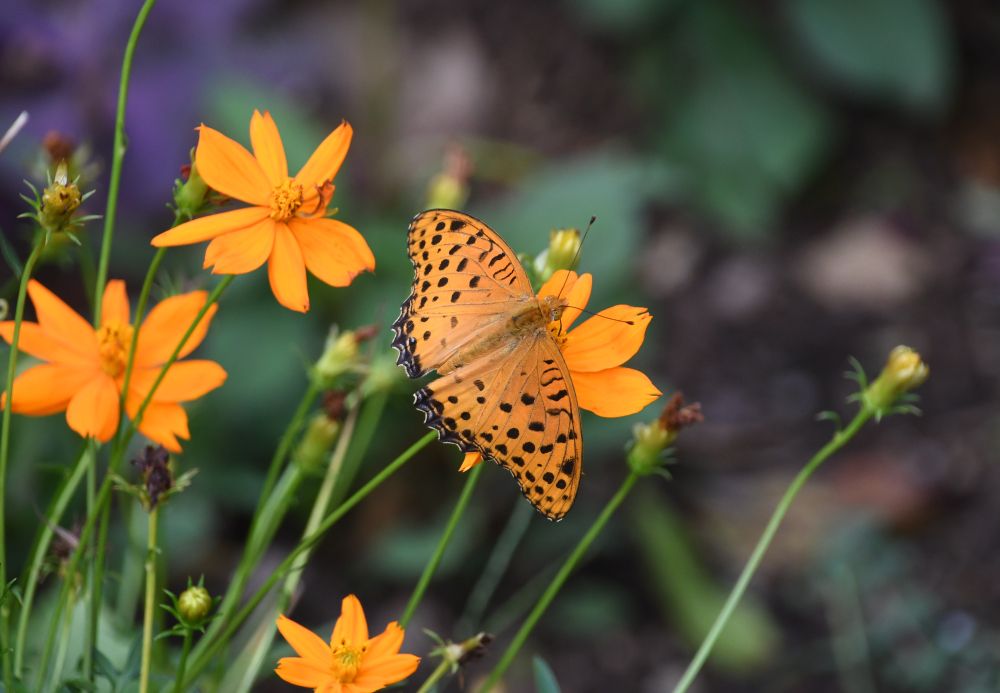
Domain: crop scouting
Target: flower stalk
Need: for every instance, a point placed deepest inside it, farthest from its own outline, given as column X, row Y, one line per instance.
column 149, row 606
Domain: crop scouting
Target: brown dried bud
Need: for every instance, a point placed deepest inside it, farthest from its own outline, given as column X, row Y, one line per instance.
column 58, row 146
column 156, row 475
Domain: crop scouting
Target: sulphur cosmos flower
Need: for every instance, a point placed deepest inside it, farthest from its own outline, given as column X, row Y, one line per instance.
column 83, row 369
column 285, row 223
column 351, row 662
column 595, row 351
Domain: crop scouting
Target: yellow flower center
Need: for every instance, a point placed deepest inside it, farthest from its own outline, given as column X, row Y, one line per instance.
column 286, row 200
column 113, row 342
column 346, row 662
column 558, row 333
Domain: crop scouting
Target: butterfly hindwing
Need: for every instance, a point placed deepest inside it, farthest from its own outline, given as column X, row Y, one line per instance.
column 465, row 280
column 519, row 409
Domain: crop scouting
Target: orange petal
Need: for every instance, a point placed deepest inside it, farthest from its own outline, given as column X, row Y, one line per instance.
column 47, row 389
column 166, row 324
column 386, row 643
column 614, row 392
column 607, row 339
column 386, row 671
column 163, row 423
column 332, row 250
column 575, row 289
column 62, row 322
column 306, row 644
column 287, row 271
column 351, row 627
column 205, row 228
column 326, row 160
column 267, row 147
column 239, row 252
column 185, row 381
column 470, row 460
column 302, row 672
column 93, row 410
column 229, row 168
column 37, row 342
column 114, row 306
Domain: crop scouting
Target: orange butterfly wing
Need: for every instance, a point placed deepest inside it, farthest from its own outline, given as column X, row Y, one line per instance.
column 513, row 402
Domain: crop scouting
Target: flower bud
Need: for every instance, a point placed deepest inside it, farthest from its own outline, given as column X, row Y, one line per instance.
column 315, row 445
column 450, row 188
column 194, row 604
column 339, row 356
column 650, row 441
column 59, row 201
column 904, row 371
column 189, row 196
column 564, row 244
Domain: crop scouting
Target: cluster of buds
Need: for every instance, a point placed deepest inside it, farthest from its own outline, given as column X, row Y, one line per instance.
column 650, row 442
column 561, row 254
column 889, row 393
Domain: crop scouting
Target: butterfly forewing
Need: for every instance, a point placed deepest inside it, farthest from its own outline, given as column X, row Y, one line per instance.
column 508, row 394
column 466, row 279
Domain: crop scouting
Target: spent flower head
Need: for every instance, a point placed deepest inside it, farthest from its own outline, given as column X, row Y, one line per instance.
column 649, row 448
column 191, row 192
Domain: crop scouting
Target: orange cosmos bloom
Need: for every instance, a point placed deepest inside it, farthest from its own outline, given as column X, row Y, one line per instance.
column 285, row 224
column 352, row 662
column 595, row 351
column 84, row 369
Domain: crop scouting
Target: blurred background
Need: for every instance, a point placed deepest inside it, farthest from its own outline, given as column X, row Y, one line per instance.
column 784, row 183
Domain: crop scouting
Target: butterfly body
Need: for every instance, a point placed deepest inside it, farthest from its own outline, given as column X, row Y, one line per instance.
column 504, row 389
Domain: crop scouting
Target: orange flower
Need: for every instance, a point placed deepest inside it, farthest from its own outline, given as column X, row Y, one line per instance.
column 285, row 224
column 595, row 351
column 84, row 369
column 352, row 662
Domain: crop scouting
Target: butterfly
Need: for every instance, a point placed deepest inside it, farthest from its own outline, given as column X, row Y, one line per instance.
column 504, row 389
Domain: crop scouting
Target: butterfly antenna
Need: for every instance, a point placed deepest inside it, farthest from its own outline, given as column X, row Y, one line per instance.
column 576, row 256
column 604, row 317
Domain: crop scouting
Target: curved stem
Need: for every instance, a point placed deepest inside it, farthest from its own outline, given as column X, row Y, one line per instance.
column 449, row 530
column 840, row 438
column 38, row 552
column 22, row 291
column 117, row 155
column 557, row 582
column 150, row 605
column 209, row 649
column 441, row 670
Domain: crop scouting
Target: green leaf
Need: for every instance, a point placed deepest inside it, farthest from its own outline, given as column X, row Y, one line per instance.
column 545, row 679
column 889, row 50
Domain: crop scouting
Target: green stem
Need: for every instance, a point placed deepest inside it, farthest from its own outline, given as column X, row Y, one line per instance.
column 319, row 509
column 182, row 664
column 93, row 612
column 440, row 672
column 449, row 530
column 61, row 649
column 41, row 548
column 496, row 566
column 22, row 291
column 231, row 623
column 275, row 499
column 117, row 454
column 557, row 582
column 150, row 606
column 840, row 438
column 117, row 155
column 364, row 433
